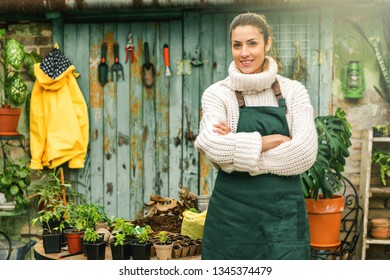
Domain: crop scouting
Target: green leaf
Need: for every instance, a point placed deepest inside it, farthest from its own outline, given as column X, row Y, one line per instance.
column 14, row 53
column 14, row 190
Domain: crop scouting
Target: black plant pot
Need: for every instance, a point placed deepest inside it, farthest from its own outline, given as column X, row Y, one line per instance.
column 120, row 252
column 52, row 242
column 95, row 251
column 141, row 251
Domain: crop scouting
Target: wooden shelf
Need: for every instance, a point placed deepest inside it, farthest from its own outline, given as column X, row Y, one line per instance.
column 367, row 189
column 378, row 241
column 384, row 190
column 381, row 139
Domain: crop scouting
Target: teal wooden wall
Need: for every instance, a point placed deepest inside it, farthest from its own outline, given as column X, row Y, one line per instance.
column 137, row 134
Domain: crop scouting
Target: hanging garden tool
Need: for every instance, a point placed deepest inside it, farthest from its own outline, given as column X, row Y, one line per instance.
column 166, row 61
column 148, row 71
column 117, row 68
column 130, row 48
column 103, row 67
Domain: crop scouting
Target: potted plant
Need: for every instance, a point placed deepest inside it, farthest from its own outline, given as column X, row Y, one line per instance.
column 142, row 245
column 52, row 222
column 80, row 218
column 49, row 189
column 382, row 159
column 324, row 179
column 118, row 244
column 163, row 246
column 14, row 179
column 123, row 235
column 380, row 130
column 95, row 246
column 13, row 89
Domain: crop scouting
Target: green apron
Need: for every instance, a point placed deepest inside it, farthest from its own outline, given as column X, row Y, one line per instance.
column 257, row 217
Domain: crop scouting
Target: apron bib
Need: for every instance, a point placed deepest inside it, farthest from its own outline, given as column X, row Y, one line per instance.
column 257, row 217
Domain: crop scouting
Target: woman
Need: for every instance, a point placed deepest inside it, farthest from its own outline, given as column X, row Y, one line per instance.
column 260, row 140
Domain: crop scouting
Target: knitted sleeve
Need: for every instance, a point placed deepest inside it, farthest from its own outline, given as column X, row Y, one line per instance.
column 295, row 156
column 233, row 151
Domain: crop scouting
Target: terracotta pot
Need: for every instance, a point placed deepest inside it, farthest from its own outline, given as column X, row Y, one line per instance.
column 9, row 119
column 324, row 221
column 74, row 239
column 380, row 228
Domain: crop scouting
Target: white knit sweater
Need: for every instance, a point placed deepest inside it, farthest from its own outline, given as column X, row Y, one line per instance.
column 242, row 151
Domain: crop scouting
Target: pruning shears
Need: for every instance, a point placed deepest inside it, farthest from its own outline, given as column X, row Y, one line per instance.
column 130, row 48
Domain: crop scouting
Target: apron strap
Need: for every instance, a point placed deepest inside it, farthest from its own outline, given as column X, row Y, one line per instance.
column 277, row 91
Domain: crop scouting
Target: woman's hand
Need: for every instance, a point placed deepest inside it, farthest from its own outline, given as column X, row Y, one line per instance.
column 269, row 141
column 273, row 140
column 222, row 128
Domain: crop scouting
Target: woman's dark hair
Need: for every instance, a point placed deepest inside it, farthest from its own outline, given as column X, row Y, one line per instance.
column 252, row 19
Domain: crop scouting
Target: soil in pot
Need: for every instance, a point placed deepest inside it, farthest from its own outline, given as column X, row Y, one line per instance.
column 163, row 252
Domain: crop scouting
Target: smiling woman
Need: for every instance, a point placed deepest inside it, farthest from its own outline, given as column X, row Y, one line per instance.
column 258, row 129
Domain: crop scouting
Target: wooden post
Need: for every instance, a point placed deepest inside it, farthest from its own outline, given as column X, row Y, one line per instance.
column 62, row 186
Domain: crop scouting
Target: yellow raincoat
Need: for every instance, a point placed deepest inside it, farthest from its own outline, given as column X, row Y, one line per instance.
column 59, row 125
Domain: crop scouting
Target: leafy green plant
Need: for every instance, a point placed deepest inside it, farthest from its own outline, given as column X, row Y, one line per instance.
column 123, row 226
column 334, row 133
column 83, row 216
column 48, row 190
column 142, row 234
column 382, row 57
column 14, row 179
column 118, row 238
column 12, row 57
column 382, row 159
column 163, row 237
column 92, row 236
column 56, row 215
column 381, row 129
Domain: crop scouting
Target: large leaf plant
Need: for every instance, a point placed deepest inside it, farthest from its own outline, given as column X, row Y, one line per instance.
column 382, row 56
column 324, row 177
column 12, row 57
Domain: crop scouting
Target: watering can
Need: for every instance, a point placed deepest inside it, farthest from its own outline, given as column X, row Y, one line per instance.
column 14, row 250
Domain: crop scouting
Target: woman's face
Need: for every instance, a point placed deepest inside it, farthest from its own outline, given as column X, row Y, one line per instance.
column 249, row 49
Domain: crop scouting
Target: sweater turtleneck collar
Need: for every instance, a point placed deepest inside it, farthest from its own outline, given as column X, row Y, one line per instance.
column 252, row 83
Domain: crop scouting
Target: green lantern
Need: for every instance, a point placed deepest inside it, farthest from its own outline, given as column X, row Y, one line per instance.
column 353, row 80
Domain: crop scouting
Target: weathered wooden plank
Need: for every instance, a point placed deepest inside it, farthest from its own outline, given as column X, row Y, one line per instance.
column 325, row 76
column 109, row 129
column 176, row 132
column 313, row 63
column 162, row 112
column 96, row 155
column 136, row 127
column 149, row 117
column 191, row 101
column 206, row 181
column 82, row 67
column 123, row 126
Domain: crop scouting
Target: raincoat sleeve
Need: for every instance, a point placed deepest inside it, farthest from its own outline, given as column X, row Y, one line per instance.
column 38, row 129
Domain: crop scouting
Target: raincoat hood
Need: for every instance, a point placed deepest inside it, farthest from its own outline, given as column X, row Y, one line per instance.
column 49, row 84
